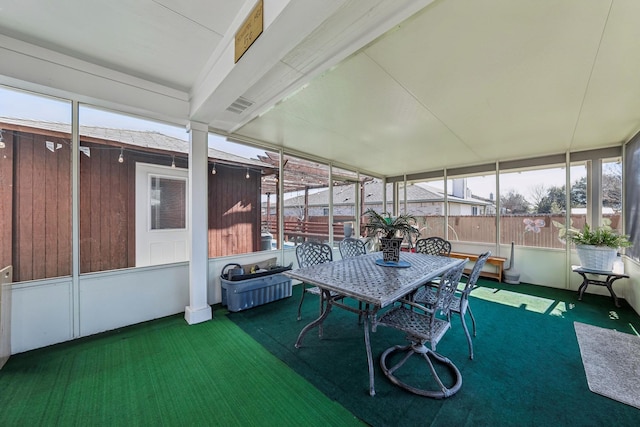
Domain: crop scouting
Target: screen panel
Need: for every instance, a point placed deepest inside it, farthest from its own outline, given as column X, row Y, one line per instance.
column 632, row 196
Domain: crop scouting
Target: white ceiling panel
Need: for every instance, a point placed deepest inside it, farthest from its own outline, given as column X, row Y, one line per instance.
column 500, row 72
column 465, row 82
column 612, row 99
column 217, row 16
column 461, row 82
column 146, row 39
column 367, row 108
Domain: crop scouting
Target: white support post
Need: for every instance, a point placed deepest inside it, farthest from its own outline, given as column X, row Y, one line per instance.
column 75, row 219
column 594, row 215
column 198, row 309
column 331, row 242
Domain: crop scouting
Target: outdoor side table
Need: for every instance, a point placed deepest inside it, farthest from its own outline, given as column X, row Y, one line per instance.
column 592, row 277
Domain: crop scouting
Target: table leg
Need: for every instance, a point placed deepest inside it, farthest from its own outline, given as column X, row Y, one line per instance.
column 325, row 312
column 367, row 343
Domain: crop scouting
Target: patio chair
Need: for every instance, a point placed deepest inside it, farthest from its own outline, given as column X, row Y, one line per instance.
column 433, row 246
column 308, row 255
column 351, row 247
column 423, row 325
column 460, row 303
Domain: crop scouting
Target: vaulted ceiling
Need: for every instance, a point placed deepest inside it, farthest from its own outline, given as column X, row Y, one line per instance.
column 387, row 87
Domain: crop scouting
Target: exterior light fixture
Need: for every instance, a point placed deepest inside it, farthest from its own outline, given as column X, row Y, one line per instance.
column 173, row 162
column 121, row 156
column 247, row 175
column 213, row 169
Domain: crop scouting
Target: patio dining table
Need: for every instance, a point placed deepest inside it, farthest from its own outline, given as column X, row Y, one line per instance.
column 375, row 286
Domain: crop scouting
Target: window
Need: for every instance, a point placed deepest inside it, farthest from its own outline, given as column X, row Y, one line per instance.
column 306, row 201
column 243, row 198
column 133, row 189
column 270, row 191
column 533, row 206
column 35, row 185
column 391, row 201
column 345, row 195
column 579, row 201
column 425, row 201
column 168, row 203
column 612, row 194
column 372, row 191
column 631, row 196
column 472, row 208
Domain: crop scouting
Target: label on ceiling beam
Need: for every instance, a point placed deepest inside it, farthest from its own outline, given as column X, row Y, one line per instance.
column 249, row 31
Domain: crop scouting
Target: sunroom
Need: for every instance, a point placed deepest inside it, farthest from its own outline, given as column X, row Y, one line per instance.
column 145, row 146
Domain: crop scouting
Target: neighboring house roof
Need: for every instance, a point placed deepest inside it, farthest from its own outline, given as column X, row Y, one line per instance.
column 344, row 195
column 132, row 138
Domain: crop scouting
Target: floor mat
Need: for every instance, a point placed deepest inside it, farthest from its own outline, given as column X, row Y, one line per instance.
column 611, row 362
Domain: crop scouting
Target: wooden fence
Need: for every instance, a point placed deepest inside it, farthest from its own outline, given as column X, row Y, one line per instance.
column 316, row 229
column 524, row 230
column 543, row 230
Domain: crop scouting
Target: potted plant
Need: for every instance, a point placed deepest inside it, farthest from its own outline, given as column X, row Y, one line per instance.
column 390, row 230
column 598, row 247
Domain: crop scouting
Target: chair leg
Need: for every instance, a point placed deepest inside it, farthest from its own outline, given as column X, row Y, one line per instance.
column 416, row 348
column 473, row 319
column 301, row 300
column 321, row 303
column 466, row 332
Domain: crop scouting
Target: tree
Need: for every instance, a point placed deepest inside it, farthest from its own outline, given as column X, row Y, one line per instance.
column 554, row 201
column 537, row 194
column 611, row 189
column 612, row 186
column 514, row 203
column 579, row 193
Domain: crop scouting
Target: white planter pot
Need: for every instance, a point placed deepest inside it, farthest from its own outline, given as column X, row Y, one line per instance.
column 599, row 258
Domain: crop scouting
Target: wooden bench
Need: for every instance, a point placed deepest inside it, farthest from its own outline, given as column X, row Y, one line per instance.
column 496, row 261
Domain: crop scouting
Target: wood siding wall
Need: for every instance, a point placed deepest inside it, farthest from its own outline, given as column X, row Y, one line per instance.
column 35, row 207
column 107, row 214
column 6, row 201
column 234, row 211
column 37, row 187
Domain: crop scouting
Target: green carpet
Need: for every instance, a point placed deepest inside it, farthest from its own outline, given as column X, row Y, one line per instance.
column 527, row 368
column 161, row 373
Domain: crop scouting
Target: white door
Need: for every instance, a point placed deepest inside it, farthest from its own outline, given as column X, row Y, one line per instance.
column 162, row 226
